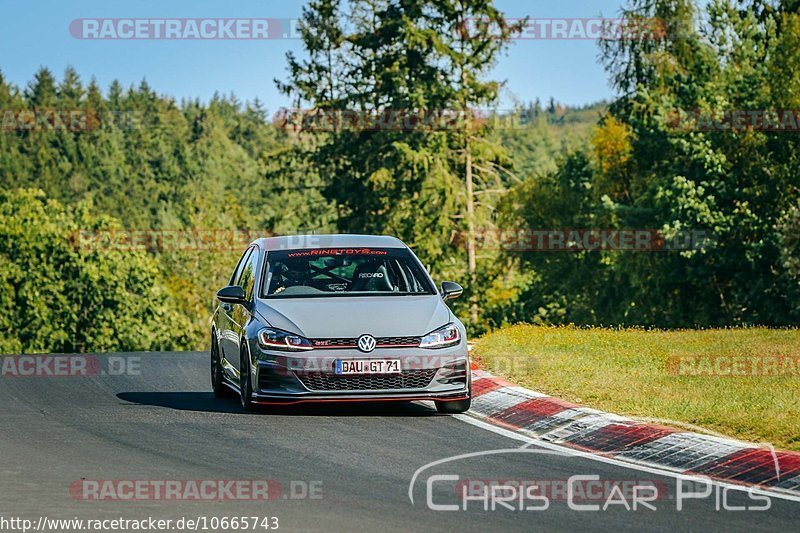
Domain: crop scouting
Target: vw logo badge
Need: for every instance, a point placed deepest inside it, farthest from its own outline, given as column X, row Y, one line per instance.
column 366, row 343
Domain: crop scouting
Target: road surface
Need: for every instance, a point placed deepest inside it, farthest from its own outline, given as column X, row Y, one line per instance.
column 159, row 421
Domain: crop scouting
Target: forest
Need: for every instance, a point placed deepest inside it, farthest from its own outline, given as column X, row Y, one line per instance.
column 78, row 160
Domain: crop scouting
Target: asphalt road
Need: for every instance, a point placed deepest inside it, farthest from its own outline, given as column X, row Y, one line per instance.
column 162, row 423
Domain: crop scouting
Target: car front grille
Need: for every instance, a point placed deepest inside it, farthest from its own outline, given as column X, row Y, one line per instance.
column 399, row 341
column 403, row 341
column 412, row 379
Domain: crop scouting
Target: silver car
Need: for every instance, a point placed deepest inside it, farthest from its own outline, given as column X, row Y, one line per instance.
column 337, row 318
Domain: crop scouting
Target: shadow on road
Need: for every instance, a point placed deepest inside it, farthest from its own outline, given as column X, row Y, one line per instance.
column 207, row 403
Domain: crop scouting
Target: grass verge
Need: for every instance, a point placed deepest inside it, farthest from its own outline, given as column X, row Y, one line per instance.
column 743, row 383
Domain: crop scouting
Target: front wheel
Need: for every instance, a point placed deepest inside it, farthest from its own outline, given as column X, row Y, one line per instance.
column 454, row 407
column 217, row 384
column 245, row 384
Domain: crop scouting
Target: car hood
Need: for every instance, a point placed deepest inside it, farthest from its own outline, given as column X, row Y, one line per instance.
column 349, row 317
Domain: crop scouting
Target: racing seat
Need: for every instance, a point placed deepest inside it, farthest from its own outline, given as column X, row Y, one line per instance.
column 372, row 277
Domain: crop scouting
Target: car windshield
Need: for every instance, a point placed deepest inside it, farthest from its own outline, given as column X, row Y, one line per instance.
column 343, row 272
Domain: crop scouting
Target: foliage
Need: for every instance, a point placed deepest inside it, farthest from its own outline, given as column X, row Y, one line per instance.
column 60, row 298
column 652, row 168
column 147, row 162
column 400, row 58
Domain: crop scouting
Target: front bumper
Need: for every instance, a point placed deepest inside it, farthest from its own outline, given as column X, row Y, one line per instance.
column 275, row 399
column 281, row 378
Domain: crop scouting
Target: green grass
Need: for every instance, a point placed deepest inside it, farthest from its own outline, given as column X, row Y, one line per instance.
column 627, row 371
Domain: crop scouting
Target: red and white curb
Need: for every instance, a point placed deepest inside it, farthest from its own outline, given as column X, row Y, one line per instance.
column 550, row 419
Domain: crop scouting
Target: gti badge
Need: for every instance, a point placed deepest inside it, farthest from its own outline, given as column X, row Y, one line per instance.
column 366, row 343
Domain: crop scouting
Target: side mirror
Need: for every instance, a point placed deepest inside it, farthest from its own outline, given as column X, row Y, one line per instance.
column 451, row 291
column 232, row 294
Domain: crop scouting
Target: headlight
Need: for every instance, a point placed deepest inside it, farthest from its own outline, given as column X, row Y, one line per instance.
column 441, row 338
column 276, row 339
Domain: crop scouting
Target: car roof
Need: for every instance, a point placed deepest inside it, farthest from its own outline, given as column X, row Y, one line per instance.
column 317, row 241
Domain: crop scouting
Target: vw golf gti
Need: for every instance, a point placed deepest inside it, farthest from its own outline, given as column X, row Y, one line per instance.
column 337, row 318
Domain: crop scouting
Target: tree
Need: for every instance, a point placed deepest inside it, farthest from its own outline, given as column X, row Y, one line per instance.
column 41, row 92
column 654, row 166
column 63, row 298
column 394, row 60
column 70, row 90
column 318, row 79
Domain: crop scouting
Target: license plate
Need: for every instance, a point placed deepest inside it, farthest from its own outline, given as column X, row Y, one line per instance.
column 367, row 366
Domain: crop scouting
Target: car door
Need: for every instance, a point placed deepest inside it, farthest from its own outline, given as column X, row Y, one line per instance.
column 228, row 340
column 240, row 314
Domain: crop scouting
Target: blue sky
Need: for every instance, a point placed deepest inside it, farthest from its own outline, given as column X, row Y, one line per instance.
column 35, row 33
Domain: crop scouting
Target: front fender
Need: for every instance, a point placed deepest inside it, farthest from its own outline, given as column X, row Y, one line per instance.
column 250, row 338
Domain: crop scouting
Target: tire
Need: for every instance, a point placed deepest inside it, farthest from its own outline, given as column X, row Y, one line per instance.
column 455, row 407
column 245, row 383
column 217, row 377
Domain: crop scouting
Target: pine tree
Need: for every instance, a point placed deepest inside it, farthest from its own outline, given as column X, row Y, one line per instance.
column 70, row 90
column 42, row 92
column 395, row 60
